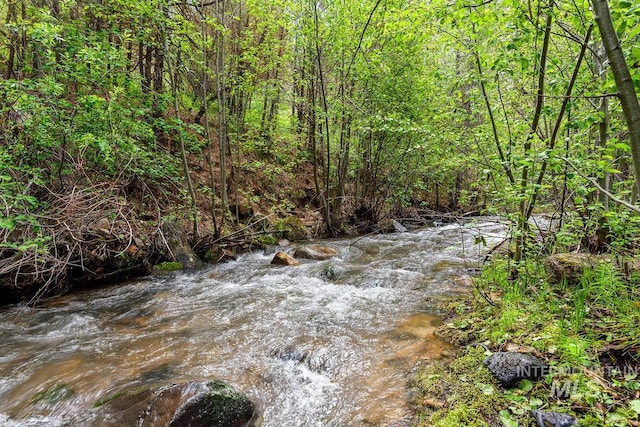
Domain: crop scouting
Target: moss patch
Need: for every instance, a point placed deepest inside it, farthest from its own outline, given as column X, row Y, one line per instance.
column 459, row 393
column 169, row 266
column 293, row 229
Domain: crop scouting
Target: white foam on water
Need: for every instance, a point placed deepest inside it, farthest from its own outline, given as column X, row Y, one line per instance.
column 302, row 340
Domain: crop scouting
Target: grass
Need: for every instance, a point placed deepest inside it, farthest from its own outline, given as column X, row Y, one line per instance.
column 587, row 332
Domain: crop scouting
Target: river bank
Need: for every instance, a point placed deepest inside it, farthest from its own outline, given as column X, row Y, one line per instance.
column 111, row 232
column 585, row 330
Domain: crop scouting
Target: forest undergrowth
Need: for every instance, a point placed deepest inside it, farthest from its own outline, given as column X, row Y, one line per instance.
column 585, row 330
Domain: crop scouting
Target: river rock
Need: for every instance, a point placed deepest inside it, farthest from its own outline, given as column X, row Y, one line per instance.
column 571, row 266
column 283, row 258
column 178, row 244
column 553, row 419
column 391, row 226
column 270, row 250
column 193, row 404
column 509, row 367
column 318, row 252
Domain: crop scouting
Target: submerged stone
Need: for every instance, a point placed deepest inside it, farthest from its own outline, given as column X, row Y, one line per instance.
column 53, row 394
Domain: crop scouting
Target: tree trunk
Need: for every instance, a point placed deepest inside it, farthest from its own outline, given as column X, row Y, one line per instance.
column 13, row 40
column 601, row 142
column 183, row 152
column 325, row 107
column 205, row 113
column 222, row 108
column 523, row 224
column 622, row 76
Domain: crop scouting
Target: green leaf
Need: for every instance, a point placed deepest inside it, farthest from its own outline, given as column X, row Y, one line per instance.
column 535, row 402
column 506, row 419
column 487, row 389
column 525, row 385
column 635, row 406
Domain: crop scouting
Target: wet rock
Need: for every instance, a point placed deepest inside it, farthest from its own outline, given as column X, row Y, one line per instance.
column 330, row 272
column 399, row 228
column 315, row 361
column 193, row 404
column 553, row 419
column 509, row 368
column 283, row 258
column 390, row 226
column 290, row 353
column 270, row 250
column 571, row 266
column 318, row 252
column 177, row 242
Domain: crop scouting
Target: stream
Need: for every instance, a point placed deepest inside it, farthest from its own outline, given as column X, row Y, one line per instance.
column 326, row 343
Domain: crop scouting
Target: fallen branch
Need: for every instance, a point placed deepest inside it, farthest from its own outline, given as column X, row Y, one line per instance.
column 619, row 201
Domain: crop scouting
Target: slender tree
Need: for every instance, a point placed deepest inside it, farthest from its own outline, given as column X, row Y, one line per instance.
column 622, row 76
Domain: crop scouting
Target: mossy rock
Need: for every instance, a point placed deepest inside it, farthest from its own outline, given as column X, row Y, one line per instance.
column 317, row 252
column 176, row 242
column 570, row 267
column 293, row 229
column 193, row 404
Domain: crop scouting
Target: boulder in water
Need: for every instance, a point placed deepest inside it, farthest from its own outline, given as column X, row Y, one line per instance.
column 193, row 404
column 283, row 258
column 391, row 226
column 509, row 367
column 318, row 252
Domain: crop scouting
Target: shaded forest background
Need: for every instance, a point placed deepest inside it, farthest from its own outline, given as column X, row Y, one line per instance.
column 230, row 116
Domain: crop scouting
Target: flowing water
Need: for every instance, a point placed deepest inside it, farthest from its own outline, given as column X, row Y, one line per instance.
column 325, row 343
